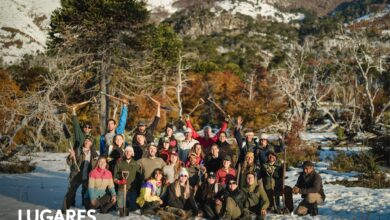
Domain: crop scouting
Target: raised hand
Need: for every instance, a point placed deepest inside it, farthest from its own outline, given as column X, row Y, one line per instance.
column 239, row 120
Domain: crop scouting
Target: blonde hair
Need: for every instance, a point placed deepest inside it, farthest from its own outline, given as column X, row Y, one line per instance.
column 187, row 190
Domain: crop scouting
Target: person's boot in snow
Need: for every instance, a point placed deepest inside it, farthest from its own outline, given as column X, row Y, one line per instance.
column 313, row 209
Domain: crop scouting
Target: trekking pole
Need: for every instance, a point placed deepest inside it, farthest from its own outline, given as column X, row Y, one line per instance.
column 163, row 107
column 283, row 177
column 199, row 103
column 125, row 175
column 68, row 136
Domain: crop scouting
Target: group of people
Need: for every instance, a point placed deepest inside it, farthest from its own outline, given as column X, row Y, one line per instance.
column 202, row 175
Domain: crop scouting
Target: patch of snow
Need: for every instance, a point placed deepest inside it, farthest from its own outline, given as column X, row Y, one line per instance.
column 317, row 137
column 375, row 15
column 165, row 5
column 23, row 27
column 255, row 8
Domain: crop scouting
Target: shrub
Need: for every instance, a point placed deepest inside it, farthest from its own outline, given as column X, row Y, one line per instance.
column 17, row 167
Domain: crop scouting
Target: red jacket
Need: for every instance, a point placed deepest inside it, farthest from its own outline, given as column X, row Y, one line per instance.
column 224, row 176
column 206, row 143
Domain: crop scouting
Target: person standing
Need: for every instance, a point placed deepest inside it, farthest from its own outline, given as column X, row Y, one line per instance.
column 309, row 185
column 271, row 174
column 214, row 159
column 248, row 144
column 207, row 140
column 112, row 129
column 127, row 167
column 81, row 132
column 148, row 131
column 85, row 161
column 186, row 145
column 226, row 172
column 151, row 162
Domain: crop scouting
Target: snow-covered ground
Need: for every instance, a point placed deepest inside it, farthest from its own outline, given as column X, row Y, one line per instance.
column 46, row 186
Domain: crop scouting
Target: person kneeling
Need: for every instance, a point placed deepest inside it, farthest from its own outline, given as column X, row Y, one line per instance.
column 309, row 184
column 230, row 204
column 152, row 192
column 100, row 179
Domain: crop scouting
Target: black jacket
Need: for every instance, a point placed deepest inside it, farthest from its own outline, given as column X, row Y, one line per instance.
column 237, row 195
column 206, row 193
column 311, row 183
column 148, row 132
column 181, row 202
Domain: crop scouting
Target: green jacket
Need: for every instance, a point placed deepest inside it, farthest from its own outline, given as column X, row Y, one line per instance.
column 79, row 135
column 256, row 196
column 272, row 175
column 134, row 179
column 80, row 162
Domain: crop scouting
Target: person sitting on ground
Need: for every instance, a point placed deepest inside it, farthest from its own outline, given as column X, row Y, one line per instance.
column 271, row 174
column 309, row 185
column 246, row 167
column 99, row 184
column 148, row 131
column 181, row 197
column 151, row 162
column 205, row 195
column 152, row 191
column 257, row 200
column 186, row 145
column 207, row 140
column 127, row 167
column 80, row 166
column 173, row 144
column 230, row 203
column 214, row 159
column 226, row 172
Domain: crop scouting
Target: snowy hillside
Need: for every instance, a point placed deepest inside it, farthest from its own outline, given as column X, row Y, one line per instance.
column 24, row 23
column 23, row 27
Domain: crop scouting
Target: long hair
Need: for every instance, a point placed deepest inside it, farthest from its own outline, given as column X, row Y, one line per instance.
column 176, row 167
column 193, row 150
column 155, row 171
column 114, row 141
column 187, row 190
column 101, row 157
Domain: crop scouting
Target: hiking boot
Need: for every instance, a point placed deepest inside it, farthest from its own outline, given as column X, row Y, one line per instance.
column 313, row 209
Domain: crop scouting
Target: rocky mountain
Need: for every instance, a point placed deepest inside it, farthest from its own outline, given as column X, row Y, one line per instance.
column 24, row 23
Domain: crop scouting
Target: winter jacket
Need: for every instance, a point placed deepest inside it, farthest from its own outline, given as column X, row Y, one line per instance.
column 245, row 169
column 206, row 143
column 228, row 149
column 180, row 202
column 149, row 193
column 223, row 176
column 213, row 164
column 148, row 133
column 120, row 129
column 100, row 180
column 80, row 159
column 134, row 179
column 140, row 151
column 206, row 194
column 256, row 196
column 79, row 135
column 272, row 175
column 311, row 183
column 237, row 195
column 173, row 143
column 184, row 149
column 244, row 146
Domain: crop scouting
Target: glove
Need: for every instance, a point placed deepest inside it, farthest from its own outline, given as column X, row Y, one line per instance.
column 122, row 182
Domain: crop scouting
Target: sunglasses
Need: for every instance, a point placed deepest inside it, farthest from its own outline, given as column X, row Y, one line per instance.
column 232, row 182
column 183, row 176
column 89, row 127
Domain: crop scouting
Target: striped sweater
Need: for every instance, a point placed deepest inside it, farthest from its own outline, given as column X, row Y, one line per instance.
column 99, row 181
